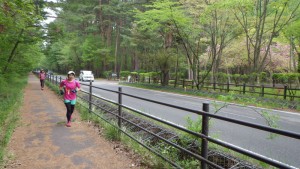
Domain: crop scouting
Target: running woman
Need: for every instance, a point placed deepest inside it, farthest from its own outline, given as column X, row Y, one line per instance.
column 42, row 76
column 69, row 89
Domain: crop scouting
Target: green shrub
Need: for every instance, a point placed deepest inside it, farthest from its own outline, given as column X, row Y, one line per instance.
column 286, row 78
column 222, row 77
column 236, row 78
column 107, row 74
column 124, row 74
column 245, row 78
column 263, row 77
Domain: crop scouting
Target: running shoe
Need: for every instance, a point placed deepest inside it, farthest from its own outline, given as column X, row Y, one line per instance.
column 68, row 124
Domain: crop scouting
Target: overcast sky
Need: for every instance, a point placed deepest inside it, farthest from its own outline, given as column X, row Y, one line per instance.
column 50, row 13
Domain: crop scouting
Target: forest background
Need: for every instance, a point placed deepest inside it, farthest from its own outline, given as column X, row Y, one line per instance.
column 192, row 39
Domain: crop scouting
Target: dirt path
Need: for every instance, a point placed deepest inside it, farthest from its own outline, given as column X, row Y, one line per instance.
column 42, row 141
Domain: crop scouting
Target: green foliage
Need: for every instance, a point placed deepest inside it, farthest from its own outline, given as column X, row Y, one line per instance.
column 263, row 76
column 293, row 30
column 252, row 76
column 190, row 163
column 160, row 13
column 10, row 101
column 124, row 74
column 134, row 73
column 286, row 78
column 107, row 74
column 155, row 76
column 21, row 31
column 222, row 77
column 194, row 125
column 272, row 120
column 203, row 73
column 124, row 35
column 111, row 133
column 143, row 76
column 227, row 98
column 236, row 78
column 245, row 78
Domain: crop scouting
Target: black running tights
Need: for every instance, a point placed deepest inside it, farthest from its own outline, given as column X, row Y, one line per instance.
column 42, row 83
column 70, row 109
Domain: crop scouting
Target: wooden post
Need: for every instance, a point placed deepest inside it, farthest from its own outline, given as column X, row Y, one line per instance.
column 285, row 91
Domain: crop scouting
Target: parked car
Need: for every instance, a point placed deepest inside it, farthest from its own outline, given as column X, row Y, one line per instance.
column 50, row 72
column 86, row 75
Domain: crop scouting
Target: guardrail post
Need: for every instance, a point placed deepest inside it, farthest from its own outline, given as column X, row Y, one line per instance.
column 227, row 86
column 59, row 79
column 183, row 83
column 214, row 85
column 56, row 82
column 120, row 108
column 244, row 88
column 285, row 91
column 204, row 145
column 262, row 90
column 90, row 97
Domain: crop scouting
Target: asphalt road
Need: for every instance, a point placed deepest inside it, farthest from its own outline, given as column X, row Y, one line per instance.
column 280, row 148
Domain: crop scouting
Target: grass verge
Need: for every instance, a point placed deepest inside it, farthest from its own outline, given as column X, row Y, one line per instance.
column 11, row 99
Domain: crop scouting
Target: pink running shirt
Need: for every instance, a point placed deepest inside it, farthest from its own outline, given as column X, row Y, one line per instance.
column 68, row 87
column 42, row 76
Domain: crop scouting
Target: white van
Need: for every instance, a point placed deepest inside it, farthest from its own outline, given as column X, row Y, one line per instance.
column 86, row 75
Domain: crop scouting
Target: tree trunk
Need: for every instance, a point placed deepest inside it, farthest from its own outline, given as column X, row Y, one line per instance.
column 298, row 70
column 165, row 77
column 176, row 69
column 117, row 47
column 12, row 54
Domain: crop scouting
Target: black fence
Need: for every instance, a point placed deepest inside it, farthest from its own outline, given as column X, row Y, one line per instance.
column 158, row 138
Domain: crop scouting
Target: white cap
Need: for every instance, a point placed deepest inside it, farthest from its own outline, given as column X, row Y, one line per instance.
column 71, row 72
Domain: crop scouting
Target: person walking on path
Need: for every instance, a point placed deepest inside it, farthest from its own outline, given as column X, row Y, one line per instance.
column 42, row 76
column 69, row 88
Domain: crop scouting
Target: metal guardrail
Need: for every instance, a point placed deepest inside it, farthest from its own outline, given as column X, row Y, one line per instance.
column 203, row 136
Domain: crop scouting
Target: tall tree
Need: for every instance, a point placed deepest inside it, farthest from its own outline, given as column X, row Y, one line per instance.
column 162, row 20
column 20, row 29
column 293, row 33
column 218, row 25
column 262, row 21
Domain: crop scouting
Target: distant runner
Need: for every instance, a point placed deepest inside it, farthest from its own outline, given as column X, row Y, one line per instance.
column 42, row 76
column 69, row 89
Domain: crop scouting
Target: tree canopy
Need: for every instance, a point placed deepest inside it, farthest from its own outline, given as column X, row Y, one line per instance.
column 207, row 37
